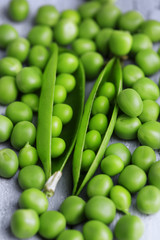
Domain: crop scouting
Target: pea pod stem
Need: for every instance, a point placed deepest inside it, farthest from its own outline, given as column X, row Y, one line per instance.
column 51, row 184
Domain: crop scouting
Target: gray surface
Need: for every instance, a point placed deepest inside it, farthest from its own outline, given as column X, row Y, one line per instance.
column 9, row 189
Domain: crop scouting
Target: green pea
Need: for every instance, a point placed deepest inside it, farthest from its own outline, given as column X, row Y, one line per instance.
column 60, row 94
column 56, row 126
column 71, row 235
column 131, row 73
column 47, row 15
column 143, row 157
column 10, row 66
column 100, row 208
column 108, row 90
column 38, row 56
column 150, row 111
column 129, row 227
column 24, row 223
column 88, row 28
column 23, row 132
column 73, row 210
column 19, row 111
column 58, row 146
column 87, row 159
column 65, row 32
column 28, row 80
column 121, row 151
column 99, row 122
column 37, row 70
column 147, row 89
column 100, row 105
column 154, row 174
column 133, row 178
column 32, row 100
column 6, row 127
column 112, row 165
column 93, row 140
column 120, row 43
column 18, row 10
column 130, row 102
column 148, row 134
column 64, row 112
column 68, row 81
column 27, row 156
column 34, row 199
column 31, row 177
column 152, row 29
column 108, row 15
column 83, row 45
column 8, row 90
column 71, row 15
column 67, row 63
column 89, row 9
column 40, row 35
column 102, row 40
column 7, row 35
column 148, row 60
column 18, row 48
column 127, row 127
column 130, row 21
column 100, row 185
column 8, row 163
column 95, row 230
column 140, row 42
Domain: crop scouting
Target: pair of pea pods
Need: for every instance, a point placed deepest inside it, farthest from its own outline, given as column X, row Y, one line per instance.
column 75, row 132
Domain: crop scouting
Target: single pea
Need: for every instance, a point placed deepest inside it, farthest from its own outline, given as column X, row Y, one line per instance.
column 132, row 178
column 27, row 156
column 47, row 15
column 71, row 15
column 100, row 105
column 150, row 111
column 89, row 9
column 31, row 177
column 6, row 127
column 120, row 43
column 56, row 126
column 87, row 159
column 129, row 227
column 68, row 81
column 149, row 134
column 52, row 223
column 8, row 163
column 32, row 100
column 28, row 80
column 8, row 90
column 60, row 94
column 64, row 112
column 148, row 60
column 131, row 73
column 33, row 198
column 93, row 140
column 22, row 133
column 83, row 45
column 71, row 235
column 121, row 151
column 40, row 35
column 7, row 34
column 18, row 48
column 19, row 111
column 100, row 208
column 108, row 15
column 146, row 88
column 143, row 157
column 100, row 185
column 130, row 102
column 65, row 31
column 152, row 29
column 10, row 66
column 127, row 127
column 24, row 223
column 18, row 10
column 73, row 210
column 140, row 42
column 112, row 165
column 38, row 56
column 108, row 90
column 88, row 28
column 99, row 122
column 58, row 146
column 95, row 230
column 154, row 174
column 67, row 63
column 102, row 40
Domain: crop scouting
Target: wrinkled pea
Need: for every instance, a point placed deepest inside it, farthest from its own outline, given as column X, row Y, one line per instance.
column 131, row 73
column 6, row 127
column 10, row 66
column 71, row 15
column 112, row 165
column 152, row 29
column 154, row 174
column 7, row 35
column 83, row 45
column 27, row 156
column 47, row 15
column 88, row 28
column 38, row 56
column 150, row 111
column 18, row 10
column 93, row 140
column 71, row 235
column 8, row 90
column 102, row 40
column 32, row 100
column 63, row 111
column 87, row 159
column 58, row 146
column 140, row 42
column 89, row 9
column 68, row 81
column 67, row 63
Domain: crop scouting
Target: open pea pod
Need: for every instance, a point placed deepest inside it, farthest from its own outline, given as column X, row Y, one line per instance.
column 112, row 72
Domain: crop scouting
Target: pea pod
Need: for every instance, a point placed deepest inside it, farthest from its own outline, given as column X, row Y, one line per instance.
column 111, row 72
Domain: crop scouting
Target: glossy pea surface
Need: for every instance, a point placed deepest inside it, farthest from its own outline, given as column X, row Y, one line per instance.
column 27, row 156
column 18, row 10
column 10, row 66
column 68, row 81
column 83, row 45
column 131, row 73
column 71, row 235
column 47, row 15
column 60, row 94
column 88, row 28
column 150, row 111
column 64, row 112
column 100, row 105
column 58, row 146
column 112, row 165
column 8, row 90
column 32, row 100
column 67, row 63
column 56, row 126
column 102, row 40
column 87, row 159
column 140, row 42
column 98, row 122
column 152, row 29
column 93, row 140
column 6, row 127
column 7, row 35
column 154, row 174
column 38, row 56
column 108, row 90
column 72, row 15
